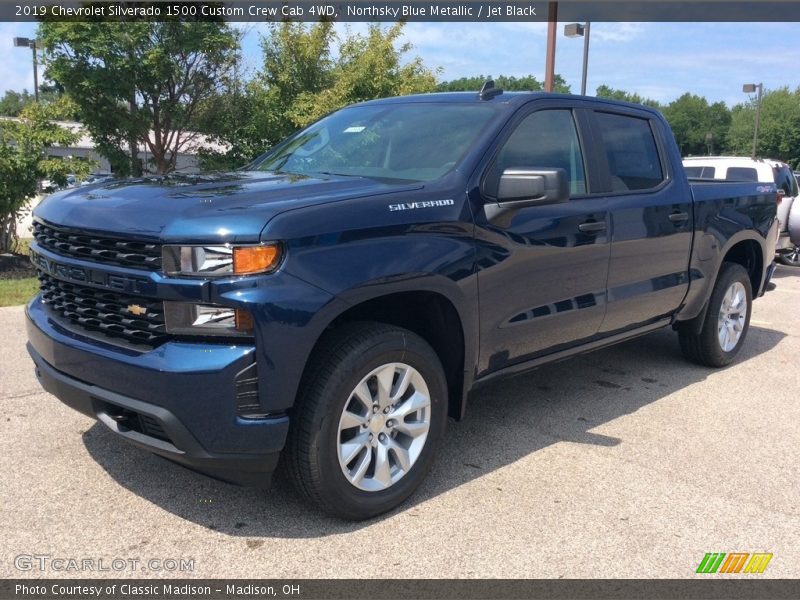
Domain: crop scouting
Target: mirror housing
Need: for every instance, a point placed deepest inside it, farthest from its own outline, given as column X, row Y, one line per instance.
column 533, row 186
column 521, row 187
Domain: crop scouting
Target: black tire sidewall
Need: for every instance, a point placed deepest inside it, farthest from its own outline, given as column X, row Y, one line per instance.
column 729, row 274
column 340, row 493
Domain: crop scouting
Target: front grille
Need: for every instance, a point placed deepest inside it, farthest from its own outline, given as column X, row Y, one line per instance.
column 106, row 312
column 107, row 250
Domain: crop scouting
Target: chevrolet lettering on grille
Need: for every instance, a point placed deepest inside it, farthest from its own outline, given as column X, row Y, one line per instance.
column 94, row 276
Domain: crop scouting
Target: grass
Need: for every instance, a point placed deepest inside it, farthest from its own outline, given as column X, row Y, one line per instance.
column 17, row 291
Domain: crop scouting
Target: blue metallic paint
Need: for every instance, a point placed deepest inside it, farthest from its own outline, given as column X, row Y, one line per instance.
column 534, row 289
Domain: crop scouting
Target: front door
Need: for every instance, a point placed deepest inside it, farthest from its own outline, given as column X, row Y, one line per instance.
column 542, row 274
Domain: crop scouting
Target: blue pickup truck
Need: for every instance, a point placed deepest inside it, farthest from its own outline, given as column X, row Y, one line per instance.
column 334, row 302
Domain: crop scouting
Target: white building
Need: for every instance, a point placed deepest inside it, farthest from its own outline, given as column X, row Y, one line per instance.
column 84, row 147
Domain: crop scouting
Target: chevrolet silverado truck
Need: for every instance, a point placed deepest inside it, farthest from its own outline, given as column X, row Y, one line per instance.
column 334, row 302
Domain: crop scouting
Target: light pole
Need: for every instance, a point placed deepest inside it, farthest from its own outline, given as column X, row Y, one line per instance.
column 749, row 88
column 21, row 42
column 574, row 30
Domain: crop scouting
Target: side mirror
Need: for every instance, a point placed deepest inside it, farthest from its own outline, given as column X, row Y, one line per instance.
column 533, row 186
column 522, row 187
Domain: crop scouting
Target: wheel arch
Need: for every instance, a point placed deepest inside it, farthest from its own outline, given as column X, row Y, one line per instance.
column 433, row 316
column 745, row 250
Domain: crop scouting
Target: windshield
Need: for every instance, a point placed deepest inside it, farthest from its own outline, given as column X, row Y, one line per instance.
column 417, row 142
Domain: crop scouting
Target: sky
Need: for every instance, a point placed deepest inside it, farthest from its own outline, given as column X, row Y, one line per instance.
column 657, row 60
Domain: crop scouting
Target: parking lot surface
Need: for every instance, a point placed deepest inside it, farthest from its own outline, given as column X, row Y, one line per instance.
column 627, row 462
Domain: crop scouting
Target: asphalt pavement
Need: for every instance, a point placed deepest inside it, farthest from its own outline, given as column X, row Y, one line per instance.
column 628, row 462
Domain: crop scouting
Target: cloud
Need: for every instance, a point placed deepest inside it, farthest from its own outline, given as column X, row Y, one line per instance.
column 616, row 32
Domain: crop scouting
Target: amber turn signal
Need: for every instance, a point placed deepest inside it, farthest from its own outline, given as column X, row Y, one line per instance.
column 255, row 259
column 243, row 321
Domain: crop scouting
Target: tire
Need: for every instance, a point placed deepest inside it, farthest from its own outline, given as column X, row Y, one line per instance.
column 710, row 347
column 333, row 420
column 790, row 258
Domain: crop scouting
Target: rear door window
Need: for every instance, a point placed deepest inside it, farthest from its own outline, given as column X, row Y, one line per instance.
column 632, row 153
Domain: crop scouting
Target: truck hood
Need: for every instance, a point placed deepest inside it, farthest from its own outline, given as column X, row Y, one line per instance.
column 219, row 207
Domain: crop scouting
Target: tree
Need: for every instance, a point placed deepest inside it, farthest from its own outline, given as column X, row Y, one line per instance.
column 296, row 60
column 779, row 127
column 12, row 103
column 24, row 161
column 527, row 83
column 605, row 91
column 699, row 127
column 141, row 82
column 368, row 66
column 302, row 79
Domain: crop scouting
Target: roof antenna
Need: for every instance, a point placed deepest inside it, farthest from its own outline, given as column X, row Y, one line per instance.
column 488, row 91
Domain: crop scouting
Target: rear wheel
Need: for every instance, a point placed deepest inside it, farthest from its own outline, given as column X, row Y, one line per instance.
column 727, row 320
column 369, row 419
column 790, row 258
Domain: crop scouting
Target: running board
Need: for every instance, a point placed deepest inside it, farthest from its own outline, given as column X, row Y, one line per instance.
column 535, row 363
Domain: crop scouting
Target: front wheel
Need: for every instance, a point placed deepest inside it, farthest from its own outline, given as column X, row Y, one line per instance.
column 727, row 320
column 369, row 419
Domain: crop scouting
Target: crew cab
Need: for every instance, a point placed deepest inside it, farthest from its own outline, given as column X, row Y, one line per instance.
column 331, row 304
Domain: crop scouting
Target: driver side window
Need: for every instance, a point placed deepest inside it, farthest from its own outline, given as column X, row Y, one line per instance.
column 546, row 139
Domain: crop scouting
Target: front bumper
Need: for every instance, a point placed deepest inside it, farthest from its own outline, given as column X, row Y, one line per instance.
column 177, row 401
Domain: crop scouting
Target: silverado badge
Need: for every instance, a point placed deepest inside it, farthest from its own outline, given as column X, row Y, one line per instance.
column 137, row 310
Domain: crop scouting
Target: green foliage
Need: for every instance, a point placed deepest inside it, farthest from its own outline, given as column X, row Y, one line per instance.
column 302, row 79
column 368, row 66
column 692, row 119
column 605, row 91
column 779, row 127
column 24, row 160
column 528, row 83
column 12, row 103
column 129, row 78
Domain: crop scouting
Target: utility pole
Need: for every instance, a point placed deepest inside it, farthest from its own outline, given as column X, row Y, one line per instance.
column 550, row 57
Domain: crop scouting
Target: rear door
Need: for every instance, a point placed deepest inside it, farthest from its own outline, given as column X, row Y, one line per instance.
column 651, row 220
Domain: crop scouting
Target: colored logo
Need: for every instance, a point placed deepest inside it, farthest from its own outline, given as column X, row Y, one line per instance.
column 734, row 562
column 137, row 310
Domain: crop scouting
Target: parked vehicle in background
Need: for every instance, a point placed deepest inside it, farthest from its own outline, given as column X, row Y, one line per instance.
column 94, row 178
column 731, row 168
column 322, row 305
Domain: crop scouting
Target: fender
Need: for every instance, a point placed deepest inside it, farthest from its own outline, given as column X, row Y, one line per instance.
column 692, row 313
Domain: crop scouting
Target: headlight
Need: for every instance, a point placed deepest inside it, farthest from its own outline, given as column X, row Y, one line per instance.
column 188, row 318
column 217, row 261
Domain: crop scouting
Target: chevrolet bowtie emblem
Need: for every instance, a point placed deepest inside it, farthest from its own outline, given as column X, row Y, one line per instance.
column 137, row 310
